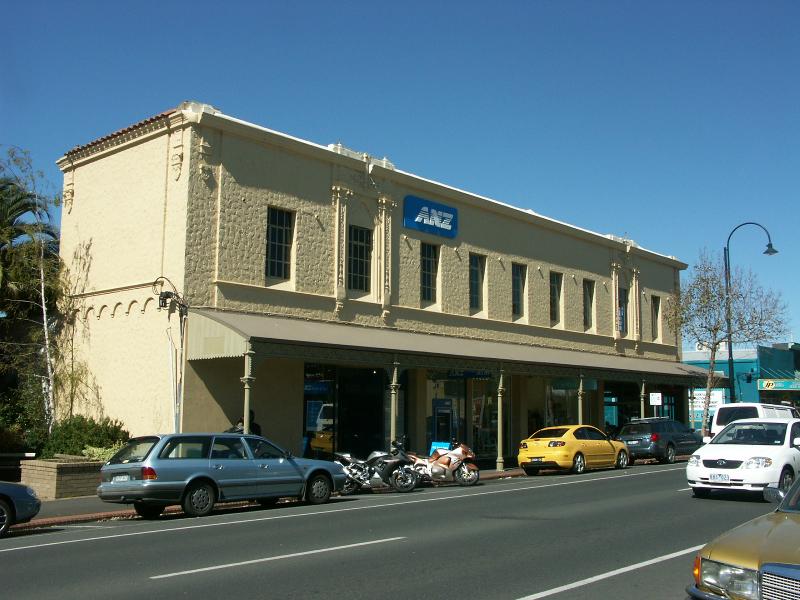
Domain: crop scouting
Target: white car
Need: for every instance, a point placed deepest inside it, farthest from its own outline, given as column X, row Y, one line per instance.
column 747, row 455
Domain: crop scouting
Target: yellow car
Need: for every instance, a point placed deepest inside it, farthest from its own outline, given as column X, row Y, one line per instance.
column 574, row 447
column 756, row 561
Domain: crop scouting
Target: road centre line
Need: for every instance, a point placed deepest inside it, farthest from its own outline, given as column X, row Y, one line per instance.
column 271, row 558
column 614, row 573
column 336, row 510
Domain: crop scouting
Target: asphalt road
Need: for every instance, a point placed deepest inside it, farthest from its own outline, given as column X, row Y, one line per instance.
column 605, row 534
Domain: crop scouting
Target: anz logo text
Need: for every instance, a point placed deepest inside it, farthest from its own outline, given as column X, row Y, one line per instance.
column 431, row 217
column 437, row 218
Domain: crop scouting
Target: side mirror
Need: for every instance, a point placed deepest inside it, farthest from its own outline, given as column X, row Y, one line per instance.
column 773, row 494
column 706, row 439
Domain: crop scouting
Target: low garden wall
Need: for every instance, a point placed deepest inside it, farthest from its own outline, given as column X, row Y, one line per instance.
column 61, row 477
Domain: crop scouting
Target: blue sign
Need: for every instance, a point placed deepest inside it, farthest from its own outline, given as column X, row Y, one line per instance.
column 430, row 217
column 779, row 384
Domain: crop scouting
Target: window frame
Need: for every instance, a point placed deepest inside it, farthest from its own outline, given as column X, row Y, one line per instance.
column 655, row 317
column 556, row 294
column 477, row 280
column 359, row 259
column 588, row 308
column 622, row 310
column 428, row 273
column 279, row 244
column 519, row 281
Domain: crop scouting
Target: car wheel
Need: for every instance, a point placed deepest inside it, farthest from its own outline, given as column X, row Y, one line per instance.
column 199, row 499
column 530, row 472
column 786, row 480
column 5, row 517
column 318, row 489
column 622, row 460
column 578, row 463
column 148, row 511
column 669, row 457
column 701, row 492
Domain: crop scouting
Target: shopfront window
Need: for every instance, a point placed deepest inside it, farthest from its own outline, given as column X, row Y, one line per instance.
column 562, row 406
column 319, row 420
column 484, row 416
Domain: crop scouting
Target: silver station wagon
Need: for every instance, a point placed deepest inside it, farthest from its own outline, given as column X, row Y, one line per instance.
column 196, row 470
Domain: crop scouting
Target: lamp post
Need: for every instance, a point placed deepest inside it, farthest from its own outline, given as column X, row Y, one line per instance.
column 727, row 255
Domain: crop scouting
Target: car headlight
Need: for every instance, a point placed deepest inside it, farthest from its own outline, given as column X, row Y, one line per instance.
column 730, row 581
column 694, row 461
column 31, row 492
column 758, row 462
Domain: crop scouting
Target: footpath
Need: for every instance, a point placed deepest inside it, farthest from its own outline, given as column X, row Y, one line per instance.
column 90, row 508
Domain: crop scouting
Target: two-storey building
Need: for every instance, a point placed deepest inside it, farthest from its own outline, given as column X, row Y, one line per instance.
column 219, row 266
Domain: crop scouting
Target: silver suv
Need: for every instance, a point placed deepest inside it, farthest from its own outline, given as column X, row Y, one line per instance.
column 196, row 470
column 660, row 438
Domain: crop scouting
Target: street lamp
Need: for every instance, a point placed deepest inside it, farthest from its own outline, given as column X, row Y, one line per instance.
column 727, row 255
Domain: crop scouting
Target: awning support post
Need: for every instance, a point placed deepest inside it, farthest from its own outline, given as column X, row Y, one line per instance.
column 247, row 380
column 641, row 401
column 394, row 389
column 580, row 400
column 501, row 391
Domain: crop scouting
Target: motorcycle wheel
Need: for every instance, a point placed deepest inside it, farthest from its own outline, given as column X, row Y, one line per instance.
column 466, row 476
column 351, row 486
column 403, row 480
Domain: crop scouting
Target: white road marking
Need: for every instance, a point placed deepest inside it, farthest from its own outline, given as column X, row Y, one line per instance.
column 614, row 573
column 470, row 494
column 270, row 558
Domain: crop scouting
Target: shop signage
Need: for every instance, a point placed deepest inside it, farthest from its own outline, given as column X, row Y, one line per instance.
column 430, row 217
column 779, row 384
column 655, row 399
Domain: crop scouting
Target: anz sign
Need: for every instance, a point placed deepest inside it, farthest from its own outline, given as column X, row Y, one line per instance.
column 430, row 217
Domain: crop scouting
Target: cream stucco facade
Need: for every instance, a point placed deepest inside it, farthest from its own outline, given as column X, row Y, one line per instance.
column 179, row 202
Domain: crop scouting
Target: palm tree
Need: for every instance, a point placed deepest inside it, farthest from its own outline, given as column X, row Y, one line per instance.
column 23, row 218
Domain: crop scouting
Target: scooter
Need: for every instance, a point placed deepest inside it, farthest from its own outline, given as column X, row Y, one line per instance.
column 381, row 468
column 455, row 464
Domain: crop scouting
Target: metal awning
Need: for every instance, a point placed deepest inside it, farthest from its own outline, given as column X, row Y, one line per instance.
column 217, row 334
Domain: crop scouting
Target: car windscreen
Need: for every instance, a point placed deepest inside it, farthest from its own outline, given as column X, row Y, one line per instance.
column 751, row 433
column 550, row 433
column 727, row 415
column 635, row 429
column 136, row 450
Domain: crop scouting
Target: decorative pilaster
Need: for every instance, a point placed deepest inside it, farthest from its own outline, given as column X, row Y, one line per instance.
column 339, row 199
column 69, row 190
column 385, row 208
column 615, row 268
column 637, row 306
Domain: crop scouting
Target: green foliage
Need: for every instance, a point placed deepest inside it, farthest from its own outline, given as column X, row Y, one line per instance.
column 104, row 454
column 11, row 440
column 22, row 412
column 74, row 434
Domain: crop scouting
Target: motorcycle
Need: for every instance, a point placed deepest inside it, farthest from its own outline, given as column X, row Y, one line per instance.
column 455, row 464
column 381, row 468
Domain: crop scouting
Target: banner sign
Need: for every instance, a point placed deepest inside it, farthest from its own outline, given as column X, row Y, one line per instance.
column 779, row 384
column 430, row 217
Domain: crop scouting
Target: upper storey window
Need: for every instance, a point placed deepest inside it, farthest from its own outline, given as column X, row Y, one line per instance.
column 622, row 317
column 588, row 304
column 428, row 272
column 518, row 276
column 556, row 280
column 477, row 270
column 279, row 243
column 655, row 321
column 359, row 258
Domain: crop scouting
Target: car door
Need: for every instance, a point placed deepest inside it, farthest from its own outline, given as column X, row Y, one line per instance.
column 601, row 446
column 278, row 474
column 232, row 468
column 685, row 441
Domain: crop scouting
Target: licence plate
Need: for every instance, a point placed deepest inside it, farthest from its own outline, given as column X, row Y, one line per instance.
column 632, row 442
column 721, row 477
column 537, row 459
column 117, row 478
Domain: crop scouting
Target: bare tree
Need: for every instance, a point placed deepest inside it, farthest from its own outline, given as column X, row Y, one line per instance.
column 757, row 315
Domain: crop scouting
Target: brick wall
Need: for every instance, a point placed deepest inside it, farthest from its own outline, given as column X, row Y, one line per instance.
column 53, row 479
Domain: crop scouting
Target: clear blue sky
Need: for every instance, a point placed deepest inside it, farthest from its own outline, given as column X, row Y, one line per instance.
column 669, row 123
